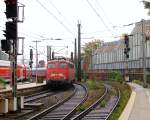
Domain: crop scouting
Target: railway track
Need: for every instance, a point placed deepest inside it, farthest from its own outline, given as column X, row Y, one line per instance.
column 64, row 109
column 39, row 95
column 96, row 112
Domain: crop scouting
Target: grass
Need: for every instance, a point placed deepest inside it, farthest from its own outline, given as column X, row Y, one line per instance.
column 3, row 83
column 125, row 95
column 103, row 103
column 141, row 83
column 93, row 84
column 95, row 91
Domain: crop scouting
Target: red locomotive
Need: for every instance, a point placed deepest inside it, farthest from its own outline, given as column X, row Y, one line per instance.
column 59, row 72
column 23, row 71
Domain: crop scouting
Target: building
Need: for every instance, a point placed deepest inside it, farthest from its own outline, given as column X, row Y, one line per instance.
column 110, row 56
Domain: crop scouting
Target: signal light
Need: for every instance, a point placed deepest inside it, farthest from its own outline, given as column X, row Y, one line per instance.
column 126, row 40
column 30, row 63
column 11, row 31
column 126, row 49
column 11, row 8
column 6, row 45
column 53, row 56
column 31, row 54
column 71, row 56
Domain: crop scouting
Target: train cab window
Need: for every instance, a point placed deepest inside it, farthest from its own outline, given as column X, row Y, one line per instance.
column 51, row 65
column 62, row 65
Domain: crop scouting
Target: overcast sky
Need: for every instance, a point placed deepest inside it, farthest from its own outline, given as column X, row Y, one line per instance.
column 100, row 19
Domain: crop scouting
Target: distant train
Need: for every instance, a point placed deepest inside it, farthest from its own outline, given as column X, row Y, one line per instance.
column 60, row 71
column 41, row 72
column 23, row 71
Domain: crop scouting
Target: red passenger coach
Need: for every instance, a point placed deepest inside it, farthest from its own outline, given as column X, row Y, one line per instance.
column 60, row 72
column 23, row 71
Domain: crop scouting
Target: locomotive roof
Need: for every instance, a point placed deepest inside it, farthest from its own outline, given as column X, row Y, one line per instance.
column 4, row 63
column 62, row 60
column 7, row 63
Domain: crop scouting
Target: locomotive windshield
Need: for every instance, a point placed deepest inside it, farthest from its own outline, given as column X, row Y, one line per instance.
column 51, row 65
column 62, row 65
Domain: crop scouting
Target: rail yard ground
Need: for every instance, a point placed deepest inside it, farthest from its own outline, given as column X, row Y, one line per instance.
column 96, row 88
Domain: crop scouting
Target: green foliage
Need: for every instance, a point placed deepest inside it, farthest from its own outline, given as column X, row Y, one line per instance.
column 91, row 84
column 103, row 103
column 125, row 95
column 115, row 76
column 87, row 50
column 147, row 85
column 138, row 82
column 3, row 81
column 82, row 108
column 146, row 4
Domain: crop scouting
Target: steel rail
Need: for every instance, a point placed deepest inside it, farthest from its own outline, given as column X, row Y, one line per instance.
column 70, row 114
column 46, row 111
column 85, row 112
column 115, row 104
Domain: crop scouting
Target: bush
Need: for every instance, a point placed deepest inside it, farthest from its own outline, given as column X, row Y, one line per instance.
column 115, row 76
column 138, row 82
column 91, row 84
column 81, row 108
column 2, row 81
column 125, row 92
column 103, row 103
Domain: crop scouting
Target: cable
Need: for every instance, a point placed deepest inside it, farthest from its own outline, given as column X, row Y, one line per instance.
column 55, row 17
column 92, row 32
column 99, row 16
column 52, row 4
column 39, row 36
column 98, row 4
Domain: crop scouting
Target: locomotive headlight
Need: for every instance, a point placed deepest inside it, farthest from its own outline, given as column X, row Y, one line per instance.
column 52, row 75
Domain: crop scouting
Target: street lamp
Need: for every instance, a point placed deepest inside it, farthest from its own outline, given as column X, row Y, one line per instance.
column 36, row 41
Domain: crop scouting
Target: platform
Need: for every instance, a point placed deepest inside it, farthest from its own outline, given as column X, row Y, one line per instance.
column 23, row 85
column 138, row 107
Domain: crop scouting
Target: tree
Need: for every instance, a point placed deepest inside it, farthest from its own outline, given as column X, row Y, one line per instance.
column 146, row 4
column 87, row 52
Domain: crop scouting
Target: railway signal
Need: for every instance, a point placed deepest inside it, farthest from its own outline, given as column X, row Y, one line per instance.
column 31, row 54
column 126, row 49
column 11, row 35
column 71, row 56
column 31, row 58
column 53, row 55
column 11, row 8
column 6, row 45
column 11, row 30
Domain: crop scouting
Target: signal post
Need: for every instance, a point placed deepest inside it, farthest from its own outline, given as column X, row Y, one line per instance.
column 10, row 46
column 126, row 53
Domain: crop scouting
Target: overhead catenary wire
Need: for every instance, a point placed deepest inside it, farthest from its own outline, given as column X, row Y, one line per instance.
column 60, row 13
column 99, row 16
column 54, row 16
column 99, row 6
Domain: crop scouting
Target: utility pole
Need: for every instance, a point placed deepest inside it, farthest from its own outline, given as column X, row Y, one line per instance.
column 36, row 41
column 14, row 62
column 75, row 57
column 49, row 53
column 79, row 52
column 143, row 46
column 12, row 36
column 126, row 53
